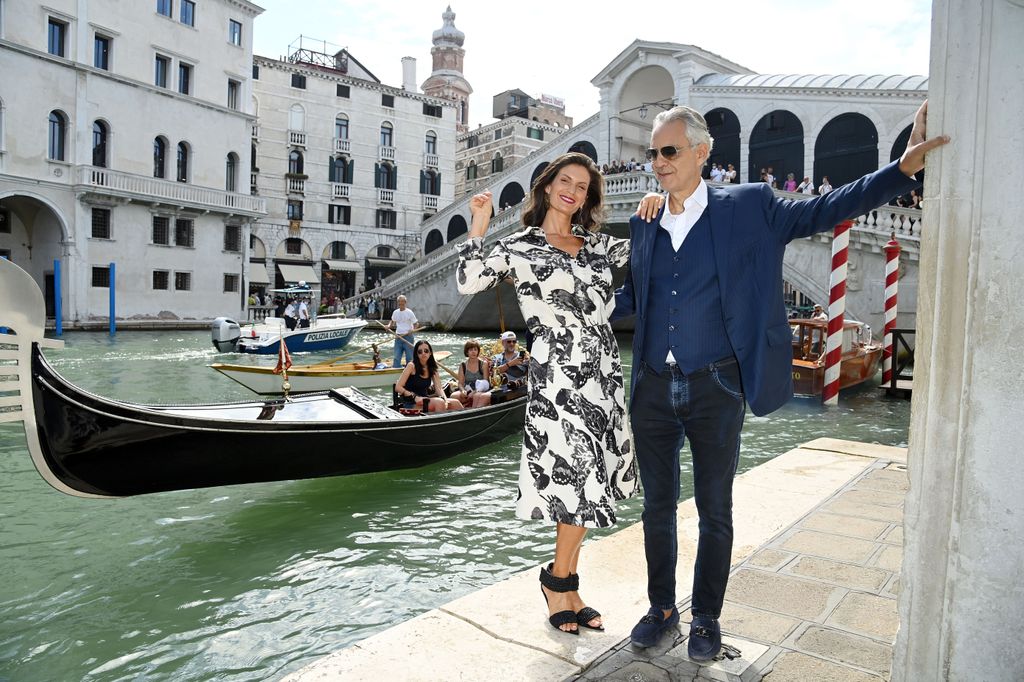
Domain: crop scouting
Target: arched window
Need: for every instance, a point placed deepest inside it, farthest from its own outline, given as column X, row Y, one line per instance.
column 386, row 176
column 430, row 146
column 58, row 136
column 231, row 173
column 341, row 127
column 497, row 163
column 99, row 144
column 386, row 134
column 295, row 162
column 183, row 152
column 159, row 157
column 340, row 169
column 297, row 118
column 471, row 171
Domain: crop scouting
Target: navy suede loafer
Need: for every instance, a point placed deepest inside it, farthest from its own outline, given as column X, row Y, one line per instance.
column 648, row 631
column 705, row 639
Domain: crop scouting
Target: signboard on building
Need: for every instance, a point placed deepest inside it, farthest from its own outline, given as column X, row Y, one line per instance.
column 552, row 101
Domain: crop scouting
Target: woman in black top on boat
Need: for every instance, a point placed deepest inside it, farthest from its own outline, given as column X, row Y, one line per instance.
column 421, row 382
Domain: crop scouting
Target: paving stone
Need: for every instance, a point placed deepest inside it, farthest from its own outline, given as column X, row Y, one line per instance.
column 830, row 546
column 782, row 594
column 890, row 559
column 895, row 536
column 796, row 667
column 894, row 588
column 847, row 648
column 763, row 626
column 894, row 480
column 845, row 525
column 639, row 671
column 770, row 558
column 867, row 511
column 867, row 614
column 608, row 665
column 847, row 575
column 859, row 495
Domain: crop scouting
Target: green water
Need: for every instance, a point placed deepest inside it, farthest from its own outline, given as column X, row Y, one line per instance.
column 252, row 582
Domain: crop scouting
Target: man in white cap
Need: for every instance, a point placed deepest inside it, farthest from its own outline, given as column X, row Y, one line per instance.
column 510, row 361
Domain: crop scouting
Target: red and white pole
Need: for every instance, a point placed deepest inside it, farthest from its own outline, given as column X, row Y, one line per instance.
column 892, row 272
column 836, row 312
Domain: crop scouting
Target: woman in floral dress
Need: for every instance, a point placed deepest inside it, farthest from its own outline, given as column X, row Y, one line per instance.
column 576, row 458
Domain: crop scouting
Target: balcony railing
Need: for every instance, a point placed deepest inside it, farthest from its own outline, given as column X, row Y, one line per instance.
column 253, row 185
column 429, row 202
column 145, row 188
column 340, row 190
column 342, row 145
column 431, row 161
column 297, row 138
column 296, row 185
column 387, row 153
column 386, row 196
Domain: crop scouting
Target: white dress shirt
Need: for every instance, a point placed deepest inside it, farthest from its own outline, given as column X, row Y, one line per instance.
column 678, row 225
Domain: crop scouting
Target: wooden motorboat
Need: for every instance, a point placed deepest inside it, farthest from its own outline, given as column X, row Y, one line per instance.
column 314, row 377
column 90, row 446
column 859, row 362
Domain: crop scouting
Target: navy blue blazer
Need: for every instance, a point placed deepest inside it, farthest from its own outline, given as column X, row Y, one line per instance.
column 750, row 228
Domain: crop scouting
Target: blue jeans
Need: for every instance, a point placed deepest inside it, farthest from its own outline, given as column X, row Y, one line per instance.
column 403, row 348
column 707, row 407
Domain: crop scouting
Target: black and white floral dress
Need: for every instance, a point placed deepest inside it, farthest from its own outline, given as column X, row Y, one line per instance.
column 577, row 458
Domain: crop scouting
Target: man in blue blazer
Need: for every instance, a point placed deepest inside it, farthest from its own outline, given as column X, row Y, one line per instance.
column 711, row 334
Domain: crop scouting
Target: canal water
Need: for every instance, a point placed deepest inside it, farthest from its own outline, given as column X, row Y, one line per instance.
column 251, row 582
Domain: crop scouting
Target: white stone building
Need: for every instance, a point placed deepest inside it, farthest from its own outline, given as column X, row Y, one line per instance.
column 123, row 130
column 349, row 168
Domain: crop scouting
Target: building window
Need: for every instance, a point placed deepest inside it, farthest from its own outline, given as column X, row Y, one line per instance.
column 101, row 277
column 230, row 283
column 101, row 52
column 497, row 134
column 99, row 144
column 432, row 110
column 535, row 133
column 471, row 171
column 386, row 176
column 235, row 32
column 184, row 78
column 164, row 7
column 430, row 146
column 341, row 127
column 295, row 162
column 343, row 91
column 184, row 232
column 298, row 81
column 182, row 281
column 101, row 223
column 233, row 238
column 430, row 182
column 159, row 157
column 182, row 175
column 386, row 219
column 233, row 89
column 472, row 141
column 386, row 134
column 161, row 230
column 231, row 173
column 161, row 280
column 188, row 12
column 497, row 163
column 339, row 169
column 255, row 72
column 293, row 246
column 294, row 210
column 56, row 37
column 387, row 101
column 163, row 67
column 58, row 135
column 339, row 215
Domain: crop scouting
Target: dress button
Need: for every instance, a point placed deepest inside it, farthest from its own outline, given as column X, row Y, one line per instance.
column 673, row 292
column 675, row 275
column 671, row 327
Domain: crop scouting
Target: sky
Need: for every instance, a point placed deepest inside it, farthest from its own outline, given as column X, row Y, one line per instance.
column 557, row 48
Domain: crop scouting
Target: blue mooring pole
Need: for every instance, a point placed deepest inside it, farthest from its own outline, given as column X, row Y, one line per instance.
column 113, row 297
column 58, row 311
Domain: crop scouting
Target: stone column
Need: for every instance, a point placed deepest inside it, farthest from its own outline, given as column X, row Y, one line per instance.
column 962, row 584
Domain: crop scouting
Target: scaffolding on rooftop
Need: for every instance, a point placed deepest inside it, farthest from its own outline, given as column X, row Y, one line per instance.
column 318, row 53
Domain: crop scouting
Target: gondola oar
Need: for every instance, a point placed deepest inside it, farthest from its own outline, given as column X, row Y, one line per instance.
column 384, row 327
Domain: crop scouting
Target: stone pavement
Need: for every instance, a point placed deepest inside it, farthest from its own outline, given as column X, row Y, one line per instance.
column 817, row 602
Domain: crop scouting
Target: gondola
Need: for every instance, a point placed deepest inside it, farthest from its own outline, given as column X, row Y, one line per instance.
column 90, row 446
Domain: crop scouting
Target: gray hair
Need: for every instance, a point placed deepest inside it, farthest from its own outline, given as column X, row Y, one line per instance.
column 696, row 126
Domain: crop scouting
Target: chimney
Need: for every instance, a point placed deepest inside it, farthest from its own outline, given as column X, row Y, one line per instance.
column 409, row 74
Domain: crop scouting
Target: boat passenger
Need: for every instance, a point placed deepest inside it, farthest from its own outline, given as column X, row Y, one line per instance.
column 421, row 382
column 473, row 373
column 511, row 362
column 303, row 314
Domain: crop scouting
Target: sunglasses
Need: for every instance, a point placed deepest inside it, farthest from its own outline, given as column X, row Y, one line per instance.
column 669, row 151
column 423, row 351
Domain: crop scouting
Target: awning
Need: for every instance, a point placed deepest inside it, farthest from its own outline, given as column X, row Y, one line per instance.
column 385, row 263
column 298, row 273
column 258, row 274
column 346, row 265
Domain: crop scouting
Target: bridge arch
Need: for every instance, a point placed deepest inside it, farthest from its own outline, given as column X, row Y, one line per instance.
column 585, row 147
column 511, row 194
column 900, row 145
column 845, row 149
column 434, row 241
column 537, row 171
column 724, row 127
column 457, row 226
column 776, row 141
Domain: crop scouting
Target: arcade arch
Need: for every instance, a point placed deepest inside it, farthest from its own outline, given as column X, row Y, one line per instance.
column 724, row 127
column 846, row 149
column 456, row 227
column 435, row 240
column 776, row 141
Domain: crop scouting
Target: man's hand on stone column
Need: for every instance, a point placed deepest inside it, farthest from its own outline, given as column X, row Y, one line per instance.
column 912, row 161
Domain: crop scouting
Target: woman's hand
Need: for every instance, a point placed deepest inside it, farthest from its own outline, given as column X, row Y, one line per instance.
column 480, row 207
column 649, row 206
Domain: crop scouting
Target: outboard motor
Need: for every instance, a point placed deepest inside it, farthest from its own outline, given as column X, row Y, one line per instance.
column 225, row 333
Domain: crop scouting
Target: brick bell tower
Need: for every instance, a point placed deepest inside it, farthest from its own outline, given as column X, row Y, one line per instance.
column 446, row 80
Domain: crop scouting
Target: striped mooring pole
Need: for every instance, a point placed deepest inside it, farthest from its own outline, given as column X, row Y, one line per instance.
column 836, row 312
column 892, row 276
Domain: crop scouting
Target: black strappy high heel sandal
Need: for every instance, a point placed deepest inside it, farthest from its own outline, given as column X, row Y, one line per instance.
column 586, row 614
column 558, row 585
